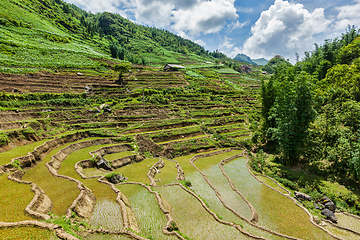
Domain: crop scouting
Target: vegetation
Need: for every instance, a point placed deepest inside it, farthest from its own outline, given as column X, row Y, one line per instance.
column 310, row 115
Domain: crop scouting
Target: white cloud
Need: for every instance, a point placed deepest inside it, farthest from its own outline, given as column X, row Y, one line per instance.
column 228, row 47
column 284, row 29
column 102, row 6
column 198, row 41
column 237, row 25
column 190, row 16
column 154, row 12
column 204, row 17
column 245, row 10
column 348, row 15
column 226, row 44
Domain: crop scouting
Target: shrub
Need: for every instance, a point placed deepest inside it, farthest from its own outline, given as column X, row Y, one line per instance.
column 186, row 183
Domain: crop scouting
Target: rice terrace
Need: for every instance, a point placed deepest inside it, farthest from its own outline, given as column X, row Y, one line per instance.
column 99, row 141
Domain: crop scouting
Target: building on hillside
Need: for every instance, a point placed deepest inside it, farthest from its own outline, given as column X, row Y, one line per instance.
column 246, row 69
column 173, row 67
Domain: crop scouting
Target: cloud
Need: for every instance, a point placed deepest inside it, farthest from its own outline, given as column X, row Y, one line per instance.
column 102, row 6
column 284, row 29
column 245, row 10
column 190, row 16
column 204, row 17
column 228, row 47
column 237, row 25
column 348, row 15
column 226, row 44
column 198, row 41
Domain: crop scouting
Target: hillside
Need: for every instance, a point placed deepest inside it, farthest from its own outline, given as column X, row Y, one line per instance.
column 273, row 63
column 97, row 141
column 53, row 34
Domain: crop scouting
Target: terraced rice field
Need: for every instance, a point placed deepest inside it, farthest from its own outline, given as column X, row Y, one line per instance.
column 178, row 141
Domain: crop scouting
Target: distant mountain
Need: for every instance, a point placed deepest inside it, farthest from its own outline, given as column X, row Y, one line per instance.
column 260, row 61
column 244, row 58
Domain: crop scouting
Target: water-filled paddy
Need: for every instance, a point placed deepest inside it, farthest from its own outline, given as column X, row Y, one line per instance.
column 27, row 233
column 61, row 197
column 348, row 222
column 107, row 214
column 275, row 211
column 149, row 216
column 192, row 219
column 343, row 234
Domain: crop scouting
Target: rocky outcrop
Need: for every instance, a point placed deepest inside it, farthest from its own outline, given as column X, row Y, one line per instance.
column 302, row 196
column 329, row 215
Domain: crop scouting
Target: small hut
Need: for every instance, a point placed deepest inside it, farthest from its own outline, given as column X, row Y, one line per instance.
column 173, row 67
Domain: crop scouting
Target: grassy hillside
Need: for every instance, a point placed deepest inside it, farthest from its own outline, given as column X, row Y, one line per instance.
column 49, row 34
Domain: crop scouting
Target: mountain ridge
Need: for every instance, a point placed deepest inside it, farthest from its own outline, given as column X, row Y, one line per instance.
column 244, row 58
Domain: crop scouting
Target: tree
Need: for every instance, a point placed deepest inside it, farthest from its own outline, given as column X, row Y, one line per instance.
column 122, row 68
column 293, row 113
column 268, row 95
column 116, row 50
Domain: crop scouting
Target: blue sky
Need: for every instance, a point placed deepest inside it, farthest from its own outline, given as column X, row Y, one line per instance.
column 257, row 28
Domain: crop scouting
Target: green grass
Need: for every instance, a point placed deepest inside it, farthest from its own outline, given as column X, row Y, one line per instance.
column 226, row 71
column 167, row 174
column 13, row 207
column 271, row 184
column 5, row 157
column 193, row 74
column 114, row 156
column 27, row 233
column 136, row 172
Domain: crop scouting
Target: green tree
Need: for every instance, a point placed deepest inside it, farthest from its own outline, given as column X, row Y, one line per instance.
column 293, row 113
column 268, row 95
column 122, row 68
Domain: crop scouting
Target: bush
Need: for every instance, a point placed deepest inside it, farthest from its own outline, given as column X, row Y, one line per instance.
column 186, row 183
column 258, row 163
